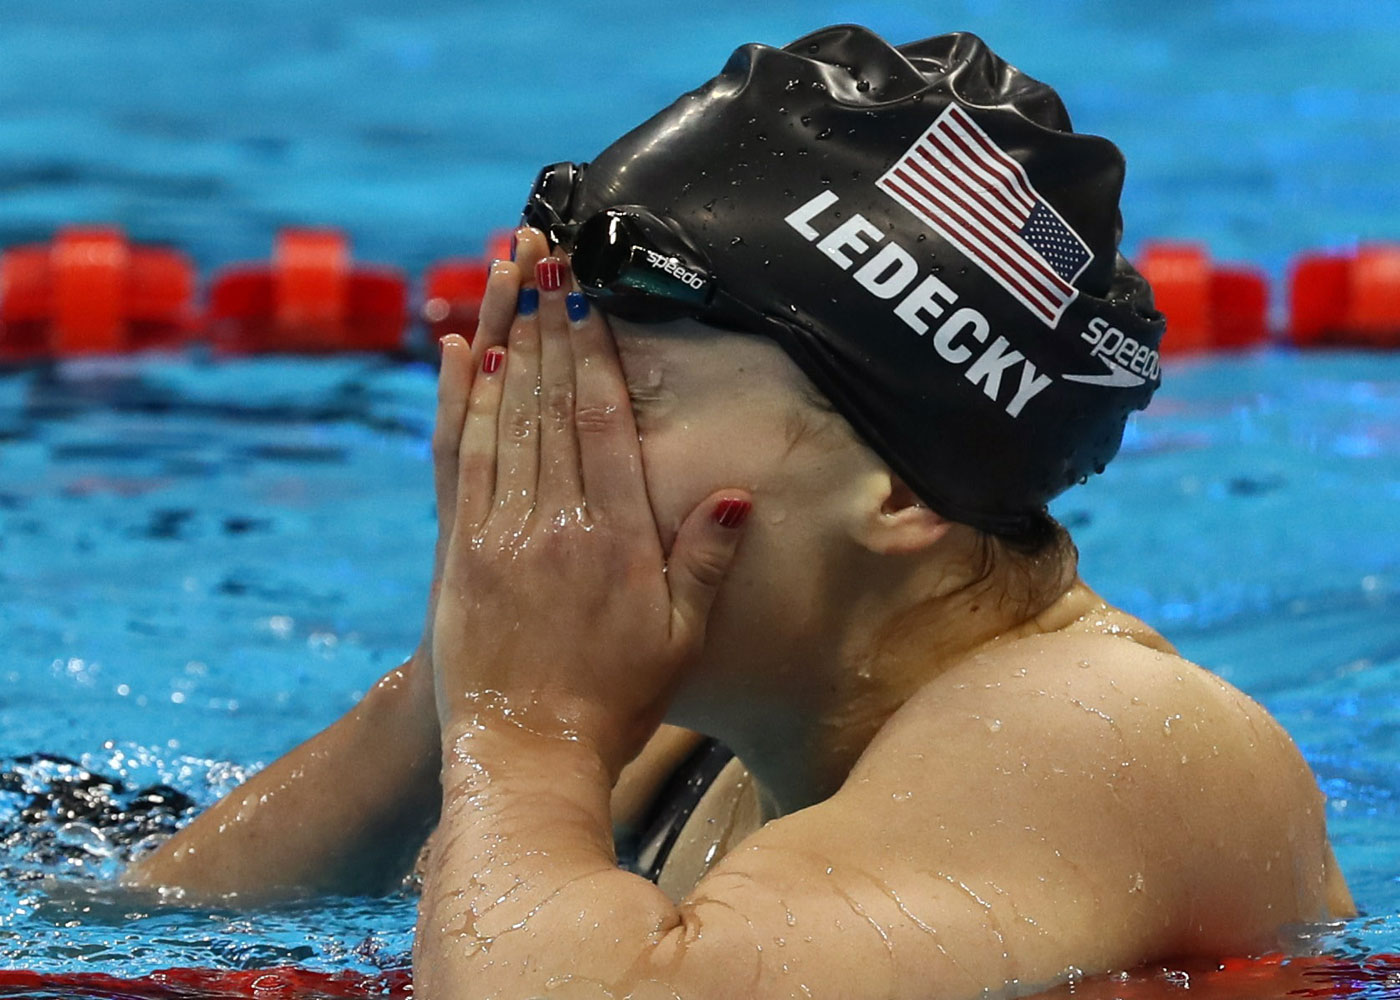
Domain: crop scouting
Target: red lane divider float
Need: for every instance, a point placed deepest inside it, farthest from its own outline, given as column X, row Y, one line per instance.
column 1346, row 299
column 91, row 291
column 452, row 293
column 309, row 298
column 1270, row 977
column 453, row 289
column 1208, row 306
column 282, row 983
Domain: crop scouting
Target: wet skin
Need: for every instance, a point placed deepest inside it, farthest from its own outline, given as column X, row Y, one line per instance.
column 962, row 756
column 976, row 794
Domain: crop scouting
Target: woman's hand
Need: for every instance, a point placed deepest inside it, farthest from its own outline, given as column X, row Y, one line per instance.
column 460, row 362
column 558, row 608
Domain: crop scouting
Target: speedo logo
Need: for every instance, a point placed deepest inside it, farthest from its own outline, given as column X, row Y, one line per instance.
column 1129, row 362
column 675, row 269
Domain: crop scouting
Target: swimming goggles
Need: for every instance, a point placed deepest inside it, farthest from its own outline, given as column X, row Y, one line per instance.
column 634, row 263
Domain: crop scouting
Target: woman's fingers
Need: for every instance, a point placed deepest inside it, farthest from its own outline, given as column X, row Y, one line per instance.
column 517, row 427
column 700, row 559
column 531, row 247
column 560, row 489
column 497, row 308
column 454, row 389
column 609, row 453
column 477, row 463
column 502, row 288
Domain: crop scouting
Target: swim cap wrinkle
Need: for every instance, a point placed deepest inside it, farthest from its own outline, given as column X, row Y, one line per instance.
column 978, row 76
column 922, row 232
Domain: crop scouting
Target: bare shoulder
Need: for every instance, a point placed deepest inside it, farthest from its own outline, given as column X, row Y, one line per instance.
column 1169, row 794
column 1070, row 800
column 1074, row 800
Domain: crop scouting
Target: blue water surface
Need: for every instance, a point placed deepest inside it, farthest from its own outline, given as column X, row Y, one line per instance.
column 202, row 563
column 1262, row 127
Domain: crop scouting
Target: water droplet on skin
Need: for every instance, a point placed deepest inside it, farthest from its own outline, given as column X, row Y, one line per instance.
column 1083, row 664
column 736, row 241
column 823, row 134
column 862, row 85
column 993, row 725
column 805, row 119
column 902, row 796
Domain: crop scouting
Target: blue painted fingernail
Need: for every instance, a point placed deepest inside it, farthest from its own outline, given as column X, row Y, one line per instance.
column 576, row 305
column 528, row 302
column 512, row 246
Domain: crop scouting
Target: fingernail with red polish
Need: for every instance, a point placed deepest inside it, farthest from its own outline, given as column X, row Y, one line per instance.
column 492, row 359
column 731, row 513
column 549, row 274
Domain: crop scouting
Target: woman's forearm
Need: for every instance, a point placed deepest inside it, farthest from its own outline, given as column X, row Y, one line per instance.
column 344, row 812
column 524, row 864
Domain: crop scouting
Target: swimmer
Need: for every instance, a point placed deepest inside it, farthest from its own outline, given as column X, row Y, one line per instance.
column 755, row 440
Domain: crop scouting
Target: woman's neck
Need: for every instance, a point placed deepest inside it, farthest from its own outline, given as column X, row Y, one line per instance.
column 801, row 744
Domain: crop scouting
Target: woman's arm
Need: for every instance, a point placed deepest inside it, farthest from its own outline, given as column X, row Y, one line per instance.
column 344, row 812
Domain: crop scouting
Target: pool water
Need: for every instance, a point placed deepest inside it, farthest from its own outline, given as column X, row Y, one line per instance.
column 202, row 563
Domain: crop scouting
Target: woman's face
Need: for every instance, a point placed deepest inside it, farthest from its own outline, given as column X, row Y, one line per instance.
column 717, row 410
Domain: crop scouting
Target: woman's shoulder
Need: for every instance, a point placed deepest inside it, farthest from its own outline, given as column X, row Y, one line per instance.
column 1096, row 687
column 1127, row 757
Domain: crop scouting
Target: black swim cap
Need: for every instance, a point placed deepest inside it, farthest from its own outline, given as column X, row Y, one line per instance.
column 920, row 230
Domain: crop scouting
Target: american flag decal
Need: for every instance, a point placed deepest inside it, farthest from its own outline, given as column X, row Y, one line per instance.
column 969, row 191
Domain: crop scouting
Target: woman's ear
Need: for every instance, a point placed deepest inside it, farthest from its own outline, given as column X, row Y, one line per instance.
column 894, row 521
